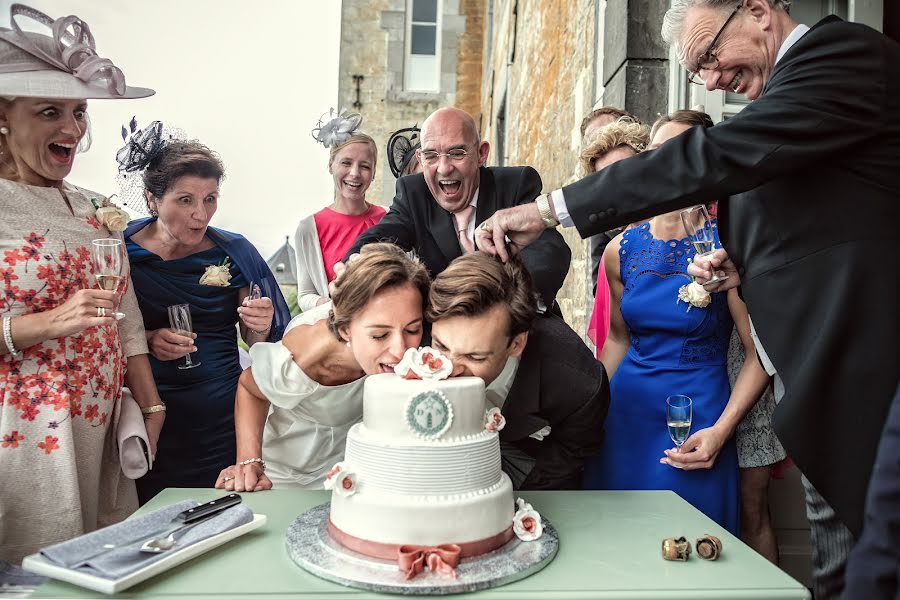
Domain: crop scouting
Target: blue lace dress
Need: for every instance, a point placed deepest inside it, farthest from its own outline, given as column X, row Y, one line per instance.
column 673, row 351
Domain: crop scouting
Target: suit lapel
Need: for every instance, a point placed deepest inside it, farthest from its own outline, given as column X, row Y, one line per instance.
column 487, row 196
column 523, row 402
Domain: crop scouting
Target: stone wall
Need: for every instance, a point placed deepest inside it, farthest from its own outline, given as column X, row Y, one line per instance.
column 373, row 44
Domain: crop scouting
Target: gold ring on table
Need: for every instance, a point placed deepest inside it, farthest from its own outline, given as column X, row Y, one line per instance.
column 709, row 547
column 486, row 226
column 101, row 312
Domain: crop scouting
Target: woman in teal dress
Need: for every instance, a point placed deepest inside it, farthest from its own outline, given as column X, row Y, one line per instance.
column 661, row 345
column 177, row 258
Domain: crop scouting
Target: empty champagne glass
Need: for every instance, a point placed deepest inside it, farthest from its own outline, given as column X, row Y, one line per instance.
column 678, row 418
column 699, row 228
column 109, row 261
column 180, row 321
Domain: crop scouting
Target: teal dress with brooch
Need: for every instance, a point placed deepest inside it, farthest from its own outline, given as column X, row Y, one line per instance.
column 673, row 350
column 198, row 438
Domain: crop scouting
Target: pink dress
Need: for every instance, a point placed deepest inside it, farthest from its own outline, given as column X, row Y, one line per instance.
column 338, row 231
column 598, row 326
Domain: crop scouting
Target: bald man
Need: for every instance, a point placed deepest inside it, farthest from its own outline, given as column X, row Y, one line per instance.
column 435, row 212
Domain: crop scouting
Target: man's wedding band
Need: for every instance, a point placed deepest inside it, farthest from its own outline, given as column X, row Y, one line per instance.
column 101, row 312
column 486, row 226
column 224, row 479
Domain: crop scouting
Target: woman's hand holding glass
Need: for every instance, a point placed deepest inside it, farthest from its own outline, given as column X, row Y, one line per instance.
column 167, row 344
column 256, row 312
column 84, row 309
column 703, row 268
column 699, row 451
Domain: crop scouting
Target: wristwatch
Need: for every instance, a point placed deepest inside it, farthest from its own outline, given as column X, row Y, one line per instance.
column 543, row 206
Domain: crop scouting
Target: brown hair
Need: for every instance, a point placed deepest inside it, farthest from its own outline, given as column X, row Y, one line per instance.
column 693, row 118
column 621, row 133
column 180, row 159
column 356, row 138
column 475, row 283
column 612, row 111
column 379, row 266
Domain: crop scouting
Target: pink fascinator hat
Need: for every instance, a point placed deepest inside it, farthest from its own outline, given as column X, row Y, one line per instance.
column 62, row 63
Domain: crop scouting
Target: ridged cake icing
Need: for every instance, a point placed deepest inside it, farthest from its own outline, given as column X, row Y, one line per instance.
column 422, row 469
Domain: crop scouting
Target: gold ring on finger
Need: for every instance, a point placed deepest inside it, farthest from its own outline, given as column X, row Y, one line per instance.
column 486, row 226
column 227, row 479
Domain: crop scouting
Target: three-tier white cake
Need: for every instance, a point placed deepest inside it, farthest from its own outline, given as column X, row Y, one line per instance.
column 423, row 468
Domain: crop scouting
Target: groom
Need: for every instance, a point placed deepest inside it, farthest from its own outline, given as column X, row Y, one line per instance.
column 552, row 392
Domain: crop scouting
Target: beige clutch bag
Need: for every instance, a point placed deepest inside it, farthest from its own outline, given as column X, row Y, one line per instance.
column 131, row 435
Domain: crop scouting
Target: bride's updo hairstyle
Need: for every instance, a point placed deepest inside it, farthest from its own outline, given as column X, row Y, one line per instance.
column 379, row 266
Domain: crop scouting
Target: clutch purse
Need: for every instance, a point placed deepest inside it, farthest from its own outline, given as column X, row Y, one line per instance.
column 131, row 436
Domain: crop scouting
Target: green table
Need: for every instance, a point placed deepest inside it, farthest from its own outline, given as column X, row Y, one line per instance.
column 609, row 548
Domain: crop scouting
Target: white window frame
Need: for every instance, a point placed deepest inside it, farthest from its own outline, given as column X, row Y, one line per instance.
column 407, row 57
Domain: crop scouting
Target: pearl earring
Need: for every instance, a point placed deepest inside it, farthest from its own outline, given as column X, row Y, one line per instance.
column 348, row 343
column 4, row 130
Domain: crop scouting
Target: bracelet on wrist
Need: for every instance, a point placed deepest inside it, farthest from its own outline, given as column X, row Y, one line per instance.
column 147, row 410
column 256, row 460
column 8, row 339
column 263, row 332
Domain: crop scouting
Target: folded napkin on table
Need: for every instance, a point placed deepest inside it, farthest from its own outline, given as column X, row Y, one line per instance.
column 125, row 560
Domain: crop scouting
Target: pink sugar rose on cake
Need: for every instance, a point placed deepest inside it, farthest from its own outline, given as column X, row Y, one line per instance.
column 527, row 522
column 424, row 363
column 345, row 483
column 494, row 421
column 331, row 476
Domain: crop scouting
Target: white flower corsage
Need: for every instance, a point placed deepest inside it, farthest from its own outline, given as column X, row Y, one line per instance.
column 527, row 522
column 494, row 421
column 693, row 294
column 424, row 363
column 110, row 216
column 218, row 275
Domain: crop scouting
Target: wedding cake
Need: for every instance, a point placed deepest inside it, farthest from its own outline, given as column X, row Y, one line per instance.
column 421, row 474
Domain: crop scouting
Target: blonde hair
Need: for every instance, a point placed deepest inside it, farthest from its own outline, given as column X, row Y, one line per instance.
column 356, row 138
column 624, row 132
column 378, row 267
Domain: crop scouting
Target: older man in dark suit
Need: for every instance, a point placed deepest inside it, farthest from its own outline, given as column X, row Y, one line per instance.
column 552, row 392
column 435, row 212
column 809, row 170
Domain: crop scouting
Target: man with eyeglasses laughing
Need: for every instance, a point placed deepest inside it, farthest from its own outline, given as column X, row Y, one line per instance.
column 807, row 177
column 435, row 212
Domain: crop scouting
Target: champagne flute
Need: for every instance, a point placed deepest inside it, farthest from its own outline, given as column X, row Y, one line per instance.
column 699, row 228
column 678, row 418
column 180, row 321
column 109, row 261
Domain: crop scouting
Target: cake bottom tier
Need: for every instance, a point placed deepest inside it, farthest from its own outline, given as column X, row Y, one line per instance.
column 397, row 519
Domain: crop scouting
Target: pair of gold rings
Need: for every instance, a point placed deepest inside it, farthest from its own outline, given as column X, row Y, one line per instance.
column 709, row 547
column 101, row 312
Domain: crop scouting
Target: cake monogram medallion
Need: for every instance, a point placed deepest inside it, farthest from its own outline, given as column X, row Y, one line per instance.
column 429, row 414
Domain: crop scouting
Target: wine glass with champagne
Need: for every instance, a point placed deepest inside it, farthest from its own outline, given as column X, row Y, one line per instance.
column 700, row 231
column 180, row 321
column 678, row 418
column 109, row 261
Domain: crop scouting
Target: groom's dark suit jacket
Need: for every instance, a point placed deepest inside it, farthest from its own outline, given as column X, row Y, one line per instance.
column 808, row 178
column 558, row 384
column 417, row 222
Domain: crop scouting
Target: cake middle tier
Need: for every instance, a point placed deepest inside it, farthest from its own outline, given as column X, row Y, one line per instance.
column 419, row 467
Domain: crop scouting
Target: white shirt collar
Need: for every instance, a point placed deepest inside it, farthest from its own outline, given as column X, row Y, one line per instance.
column 497, row 392
column 790, row 40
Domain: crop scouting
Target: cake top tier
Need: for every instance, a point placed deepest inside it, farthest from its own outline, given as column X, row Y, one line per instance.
column 404, row 410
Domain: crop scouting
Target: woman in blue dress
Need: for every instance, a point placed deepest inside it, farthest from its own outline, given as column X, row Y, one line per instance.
column 177, row 258
column 661, row 345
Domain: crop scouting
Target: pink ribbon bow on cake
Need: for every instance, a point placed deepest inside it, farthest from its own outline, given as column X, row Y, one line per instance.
column 440, row 559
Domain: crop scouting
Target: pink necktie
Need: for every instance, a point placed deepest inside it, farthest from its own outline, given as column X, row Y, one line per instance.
column 462, row 225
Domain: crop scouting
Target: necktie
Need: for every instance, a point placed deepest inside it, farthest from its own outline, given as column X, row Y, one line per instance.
column 462, row 225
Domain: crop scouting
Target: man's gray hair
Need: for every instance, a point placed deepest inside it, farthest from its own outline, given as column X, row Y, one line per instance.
column 673, row 22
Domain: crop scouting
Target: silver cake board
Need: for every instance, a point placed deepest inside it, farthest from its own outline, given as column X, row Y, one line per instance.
column 310, row 546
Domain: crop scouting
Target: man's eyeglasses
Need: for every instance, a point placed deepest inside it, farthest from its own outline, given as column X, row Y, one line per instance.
column 708, row 60
column 430, row 157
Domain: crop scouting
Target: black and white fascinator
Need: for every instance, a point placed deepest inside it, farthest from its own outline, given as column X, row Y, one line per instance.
column 401, row 149
column 337, row 129
column 142, row 147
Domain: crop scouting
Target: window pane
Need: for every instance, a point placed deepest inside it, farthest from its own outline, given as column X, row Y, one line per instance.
column 422, row 74
column 423, row 39
column 424, row 11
